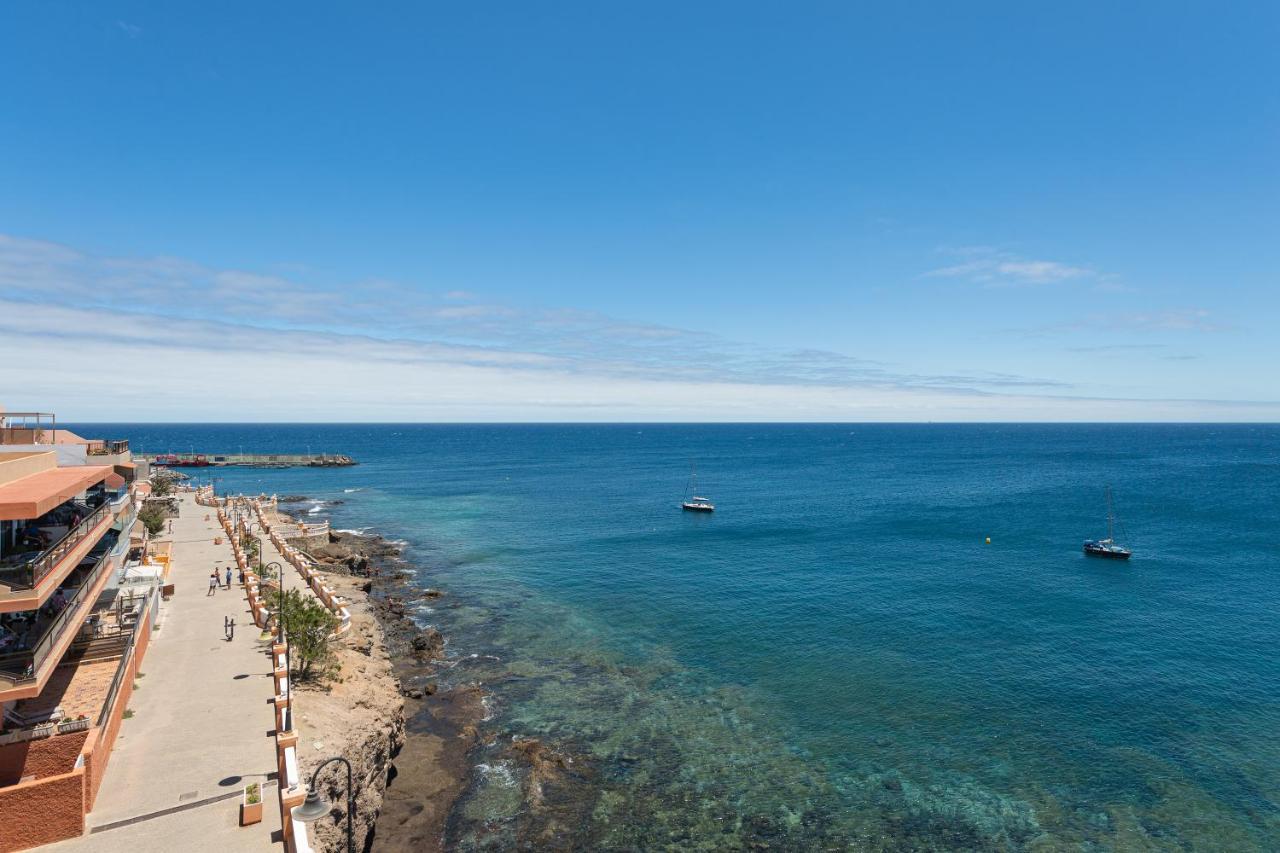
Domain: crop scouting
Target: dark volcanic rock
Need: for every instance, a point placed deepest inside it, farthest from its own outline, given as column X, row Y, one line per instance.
column 559, row 793
column 428, row 644
column 432, row 768
column 293, row 499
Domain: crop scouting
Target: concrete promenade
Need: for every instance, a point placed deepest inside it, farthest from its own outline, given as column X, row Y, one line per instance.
column 202, row 723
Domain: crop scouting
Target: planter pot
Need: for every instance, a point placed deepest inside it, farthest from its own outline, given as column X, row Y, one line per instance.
column 250, row 813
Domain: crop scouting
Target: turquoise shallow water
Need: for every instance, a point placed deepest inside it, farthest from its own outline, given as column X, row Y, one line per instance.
column 835, row 658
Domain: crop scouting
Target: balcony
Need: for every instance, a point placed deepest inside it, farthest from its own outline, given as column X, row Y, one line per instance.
column 107, row 452
column 80, row 688
column 26, row 570
column 108, row 448
column 30, row 643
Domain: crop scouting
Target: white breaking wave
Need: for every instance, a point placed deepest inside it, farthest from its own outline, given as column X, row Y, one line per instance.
column 500, row 773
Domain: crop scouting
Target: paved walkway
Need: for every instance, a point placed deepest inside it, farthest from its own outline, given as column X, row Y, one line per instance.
column 202, row 721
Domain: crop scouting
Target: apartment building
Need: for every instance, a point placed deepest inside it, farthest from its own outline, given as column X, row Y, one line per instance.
column 73, row 624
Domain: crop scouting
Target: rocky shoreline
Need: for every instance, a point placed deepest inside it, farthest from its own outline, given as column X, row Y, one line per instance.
column 428, row 768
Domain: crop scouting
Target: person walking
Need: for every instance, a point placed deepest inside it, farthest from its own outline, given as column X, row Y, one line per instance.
column 228, row 577
column 213, row 583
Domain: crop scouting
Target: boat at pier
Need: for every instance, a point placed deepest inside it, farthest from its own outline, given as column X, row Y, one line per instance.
column 173, row 460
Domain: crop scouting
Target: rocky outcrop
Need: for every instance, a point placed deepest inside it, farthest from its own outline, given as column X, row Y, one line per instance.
column 370, row 755
column 428, row 645
column 410, row 775
column 353, row 554
column 360, row 716
column 560, row 793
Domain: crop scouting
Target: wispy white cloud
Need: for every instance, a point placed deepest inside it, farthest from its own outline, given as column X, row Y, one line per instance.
column 995, row 267
column 574, row 340
column 1118, row 348
column 228, row 343
column 1170, row 320
column 1180, row 320
column 131, row 30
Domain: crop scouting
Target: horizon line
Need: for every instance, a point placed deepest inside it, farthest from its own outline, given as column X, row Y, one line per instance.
column 69, row 424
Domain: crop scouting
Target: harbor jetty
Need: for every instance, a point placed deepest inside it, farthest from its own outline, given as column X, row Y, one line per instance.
column 250, row 460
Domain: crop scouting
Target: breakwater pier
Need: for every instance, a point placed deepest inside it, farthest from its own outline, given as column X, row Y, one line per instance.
column 250, row 460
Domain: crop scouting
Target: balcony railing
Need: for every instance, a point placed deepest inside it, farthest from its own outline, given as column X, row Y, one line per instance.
column 133, row 630
column 30, row 573
column 108, row 448
column 23, row 666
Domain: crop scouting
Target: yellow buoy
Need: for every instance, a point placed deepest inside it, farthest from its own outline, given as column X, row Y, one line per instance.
column 988, row 540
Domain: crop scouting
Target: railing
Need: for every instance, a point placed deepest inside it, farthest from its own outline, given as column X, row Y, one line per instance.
column 43, row 567
column 318, row 528
column 38, row 568
column 124, row 662
column 108, row 448
column 27, row 663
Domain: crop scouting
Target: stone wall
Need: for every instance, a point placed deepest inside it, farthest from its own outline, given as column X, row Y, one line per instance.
column 41, row 758
column 42, row 811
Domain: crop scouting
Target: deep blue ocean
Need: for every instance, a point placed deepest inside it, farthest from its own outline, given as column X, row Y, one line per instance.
column 836, row 658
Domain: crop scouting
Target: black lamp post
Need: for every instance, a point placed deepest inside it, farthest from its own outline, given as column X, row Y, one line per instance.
column 282, row 636
column 262, row 554
column 315, row 806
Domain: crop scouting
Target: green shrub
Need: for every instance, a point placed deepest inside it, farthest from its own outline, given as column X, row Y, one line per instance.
column 308, row 625
column 153, row 518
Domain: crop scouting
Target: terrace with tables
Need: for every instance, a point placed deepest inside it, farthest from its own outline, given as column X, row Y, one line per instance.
column 54, row 746
column 29, row 639
column 45, row 533
column 80, row 682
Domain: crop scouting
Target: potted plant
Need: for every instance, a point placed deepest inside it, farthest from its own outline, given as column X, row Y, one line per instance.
column 251, row 806
column 79, row 724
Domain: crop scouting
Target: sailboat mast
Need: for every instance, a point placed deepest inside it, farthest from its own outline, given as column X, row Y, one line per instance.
column 1111, row 517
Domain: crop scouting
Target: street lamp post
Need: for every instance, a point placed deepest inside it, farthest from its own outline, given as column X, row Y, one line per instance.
column 316, row 807
column 282, row 636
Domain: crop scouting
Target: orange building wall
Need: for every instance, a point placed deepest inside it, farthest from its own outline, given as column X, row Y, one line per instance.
column 98, row 751
column 41, row 812
column 41, row 758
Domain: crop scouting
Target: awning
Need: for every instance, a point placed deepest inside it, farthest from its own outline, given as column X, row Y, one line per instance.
column 34, row 495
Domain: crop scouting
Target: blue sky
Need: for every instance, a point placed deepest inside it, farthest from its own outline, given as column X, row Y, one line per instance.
column 633, row 211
